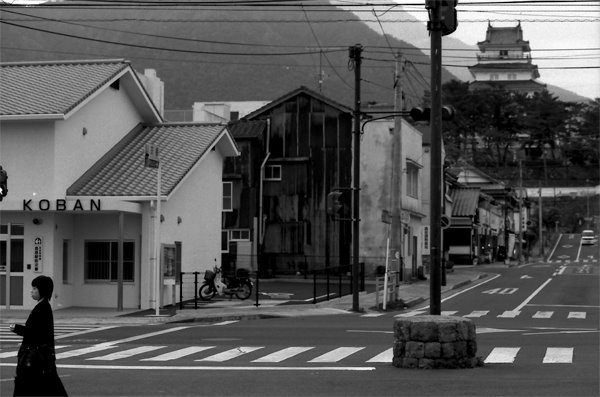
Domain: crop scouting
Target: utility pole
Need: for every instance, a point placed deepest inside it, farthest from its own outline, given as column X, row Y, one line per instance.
column 437, row 27
column 397, row 233
column 520, row 213
column 355, row 56
column 540, row 220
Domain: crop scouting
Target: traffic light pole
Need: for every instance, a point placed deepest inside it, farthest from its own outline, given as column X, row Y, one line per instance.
column 436, row 158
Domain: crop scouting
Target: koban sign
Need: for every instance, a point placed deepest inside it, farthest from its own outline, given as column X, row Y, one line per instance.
column 62, row 205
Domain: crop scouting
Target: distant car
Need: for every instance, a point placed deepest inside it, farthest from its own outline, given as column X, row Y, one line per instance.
column 588, row 237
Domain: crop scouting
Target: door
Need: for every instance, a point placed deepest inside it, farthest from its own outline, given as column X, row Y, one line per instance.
column 12, row 249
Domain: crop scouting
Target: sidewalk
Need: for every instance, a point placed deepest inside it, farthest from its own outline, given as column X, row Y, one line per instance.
column 410, row 294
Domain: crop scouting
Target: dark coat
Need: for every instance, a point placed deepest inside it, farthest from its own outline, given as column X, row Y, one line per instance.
column 38, row 332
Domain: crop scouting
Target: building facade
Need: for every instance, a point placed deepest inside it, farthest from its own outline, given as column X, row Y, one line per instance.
column 82, row 204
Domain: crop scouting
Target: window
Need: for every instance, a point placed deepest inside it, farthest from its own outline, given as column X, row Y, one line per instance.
column 494, row 76
column 412, row 180
column 228, row 196
column 512, row 76
column 503, row 53
column 101, row 260
column 224, row 241
column 239, row 235
column 65, row 261
column 272, row 173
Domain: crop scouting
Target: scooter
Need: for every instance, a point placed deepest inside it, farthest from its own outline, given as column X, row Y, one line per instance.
column 239, row 285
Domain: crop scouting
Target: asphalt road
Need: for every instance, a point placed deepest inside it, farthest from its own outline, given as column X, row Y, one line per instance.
column 537, row 326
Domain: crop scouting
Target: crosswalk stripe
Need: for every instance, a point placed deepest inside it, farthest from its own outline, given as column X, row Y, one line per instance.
column 174, row 355
column 510, row 314
column 282, row 354
column 384, row 357
column 373, row 315
column 541, row 314
column 410, row 314
column 14, row 353
column 336, row 355
column 126, row 353
column 558, row 355
column 477, row 313
column 232, row 353
column 449, row 313
column 578, row 315
column 85, row 350
column 502, row 355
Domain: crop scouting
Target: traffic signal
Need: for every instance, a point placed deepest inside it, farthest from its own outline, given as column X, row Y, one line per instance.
column 449, row 19
column 3, row 183
column 335, row 205
column 424, row 114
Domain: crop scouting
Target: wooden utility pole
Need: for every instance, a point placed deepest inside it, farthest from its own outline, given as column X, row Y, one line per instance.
column 356, row 57
column 397, row 171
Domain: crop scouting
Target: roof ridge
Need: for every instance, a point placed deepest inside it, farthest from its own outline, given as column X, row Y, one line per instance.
column 65, row 62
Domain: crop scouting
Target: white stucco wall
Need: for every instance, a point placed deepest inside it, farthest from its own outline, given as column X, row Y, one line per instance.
column 106, row 119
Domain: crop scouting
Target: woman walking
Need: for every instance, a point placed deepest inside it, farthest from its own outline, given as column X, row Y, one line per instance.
column 36, row 365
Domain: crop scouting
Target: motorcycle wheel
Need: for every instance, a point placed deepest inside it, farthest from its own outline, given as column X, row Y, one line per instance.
column 244, row 292
column 206, row 292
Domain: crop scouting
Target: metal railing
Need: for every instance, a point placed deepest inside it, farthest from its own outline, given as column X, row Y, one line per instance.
column 327, row 282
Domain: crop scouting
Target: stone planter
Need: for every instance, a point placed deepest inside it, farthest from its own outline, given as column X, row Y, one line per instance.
column 435, row 342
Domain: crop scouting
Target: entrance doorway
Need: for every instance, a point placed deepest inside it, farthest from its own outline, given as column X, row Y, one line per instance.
column 12, row 258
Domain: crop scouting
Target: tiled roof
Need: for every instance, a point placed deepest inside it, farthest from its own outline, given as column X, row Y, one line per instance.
column 42, row 88
column 121, row 171
column 464, row 201
column 247, row 129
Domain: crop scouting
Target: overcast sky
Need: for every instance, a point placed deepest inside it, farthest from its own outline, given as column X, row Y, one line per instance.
column 557, row 34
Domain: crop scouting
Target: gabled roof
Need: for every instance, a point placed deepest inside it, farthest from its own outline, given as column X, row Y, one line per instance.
column 121, row 172
column 464, row 201
column 55, row 90
column 298, row 91
column 504, row 36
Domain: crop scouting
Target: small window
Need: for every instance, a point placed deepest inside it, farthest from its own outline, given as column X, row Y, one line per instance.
column 412, row 180
column 239, row 235
column 224, row 241
column 272, row 173
column 494, row 76
column 65, row 261
column 227, row 196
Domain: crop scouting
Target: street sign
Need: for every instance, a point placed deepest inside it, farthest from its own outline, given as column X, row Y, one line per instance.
column 151, row 158
column 445, row 221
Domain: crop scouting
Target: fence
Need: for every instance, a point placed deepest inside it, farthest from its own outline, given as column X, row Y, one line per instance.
column 326, row 283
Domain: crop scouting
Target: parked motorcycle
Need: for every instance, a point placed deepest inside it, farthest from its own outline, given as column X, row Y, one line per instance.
column 239, row 285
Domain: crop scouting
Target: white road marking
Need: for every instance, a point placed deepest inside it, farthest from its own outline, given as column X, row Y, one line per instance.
column 174, row 355
column 126, row 353
column 449, row 313
column 558, row 355
column 282, row 354
column 540, row 314
column 14, row 353
column 578, row 315
column 411, row 313
column 530, row 297
column 210, row 368
column 502, row 355
column 336, row 355
column 384, row 357
column 509, row 314
column 373, row 315
column 231, row 354
column 477, row 313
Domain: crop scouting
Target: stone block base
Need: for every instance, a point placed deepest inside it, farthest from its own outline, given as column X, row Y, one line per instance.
column 435, row 342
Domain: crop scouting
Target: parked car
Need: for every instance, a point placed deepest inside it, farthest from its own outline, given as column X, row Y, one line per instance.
column 588, row 238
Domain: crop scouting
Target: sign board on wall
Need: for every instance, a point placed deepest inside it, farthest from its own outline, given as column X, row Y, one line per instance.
column 38, row 255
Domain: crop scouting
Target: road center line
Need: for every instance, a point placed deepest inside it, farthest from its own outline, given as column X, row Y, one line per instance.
column 530, row 297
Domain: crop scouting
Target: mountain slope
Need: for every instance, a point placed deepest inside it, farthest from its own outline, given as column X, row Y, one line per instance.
column 221, row 53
